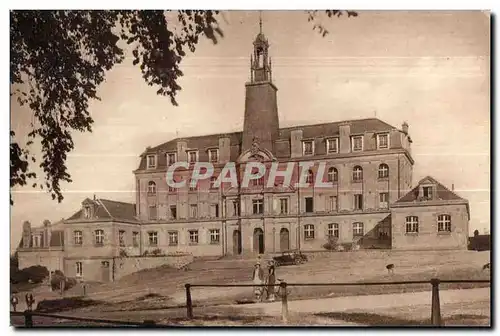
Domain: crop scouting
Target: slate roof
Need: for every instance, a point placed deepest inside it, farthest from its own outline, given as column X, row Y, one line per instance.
column 108, row 209
column 443, row 193
column 282, row 145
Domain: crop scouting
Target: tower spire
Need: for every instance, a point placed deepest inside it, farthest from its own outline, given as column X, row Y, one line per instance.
column 260, row 21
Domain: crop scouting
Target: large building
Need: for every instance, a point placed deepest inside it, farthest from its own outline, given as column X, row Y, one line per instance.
column 371, row 202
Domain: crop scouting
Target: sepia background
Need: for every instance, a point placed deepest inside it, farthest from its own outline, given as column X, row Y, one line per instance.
column 430, row 69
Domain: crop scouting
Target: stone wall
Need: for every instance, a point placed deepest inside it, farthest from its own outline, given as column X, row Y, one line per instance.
column 53, row 260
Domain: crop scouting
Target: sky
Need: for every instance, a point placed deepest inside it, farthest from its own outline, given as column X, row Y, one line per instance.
column 430, row 69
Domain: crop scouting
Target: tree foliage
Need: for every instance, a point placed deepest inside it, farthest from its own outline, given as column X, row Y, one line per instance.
column 59, row 59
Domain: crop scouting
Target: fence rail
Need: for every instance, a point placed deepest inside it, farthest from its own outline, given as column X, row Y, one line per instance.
column 28, row 319
column 436, row 319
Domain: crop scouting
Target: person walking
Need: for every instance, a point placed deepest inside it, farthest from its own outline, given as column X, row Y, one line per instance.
column 271, row 283
column 257, row 279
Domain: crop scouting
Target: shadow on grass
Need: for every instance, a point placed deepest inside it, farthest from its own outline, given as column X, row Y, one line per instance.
column 59, row 305
column 386, row 320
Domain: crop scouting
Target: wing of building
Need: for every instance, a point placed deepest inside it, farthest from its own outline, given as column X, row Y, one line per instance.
column 370, row 204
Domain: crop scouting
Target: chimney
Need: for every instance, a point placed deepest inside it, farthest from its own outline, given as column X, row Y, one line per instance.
column 345, row 137
column 452, row 187
column 26, row 234
column 94, row 197
column 404, row 127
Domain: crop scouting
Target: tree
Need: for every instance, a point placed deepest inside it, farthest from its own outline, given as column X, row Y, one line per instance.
column 59, row 59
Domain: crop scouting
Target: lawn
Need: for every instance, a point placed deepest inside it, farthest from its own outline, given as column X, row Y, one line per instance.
column 164, row 287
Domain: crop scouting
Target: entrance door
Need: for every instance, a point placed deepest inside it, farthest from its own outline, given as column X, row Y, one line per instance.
column 105, row 271
column 236, row 242
column 284, row 240
column 258, row 240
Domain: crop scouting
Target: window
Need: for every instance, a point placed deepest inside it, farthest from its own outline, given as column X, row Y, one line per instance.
column 173, row 212
column 171, row 158
column 309, row 231
column 192, row 156
column 213, row 179
column 310, row 177
column 333, row 175
column 193, row 210
column 412, row 224
column 357, row 174
column 35, row 240
column 213, row 155
column 214, row 211
column 78, row 237
column 357, row 143
column 193, row 187
column 333, row 230
column 153, row 212
column 173, row 238
column 332, row 146
column 283, row 206
column 358, row 229
column 87, row 212
column 193, row 236
column 99, row 237
column 258, row 182
column 383, row 200
column 332, row 205
column 383, row 171
column 121, row 237
column 135, row 239
column 153, row 238
column 358, row 202
column 215, row 236
column 309, row 204
column 79, row 269
column 308, row 147
column 151, row 188
column 258, row 206
column 444, row 223
column 382, row 141
column 427, row 192
column 151, row 161
column 236, row 208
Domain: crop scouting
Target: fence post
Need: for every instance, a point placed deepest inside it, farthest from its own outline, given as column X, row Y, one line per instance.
column 284, row 302
column 28, row 319
column 189, row 303
column 436, row 306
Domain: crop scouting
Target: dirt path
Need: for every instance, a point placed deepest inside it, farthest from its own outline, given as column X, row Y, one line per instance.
column 371, row 302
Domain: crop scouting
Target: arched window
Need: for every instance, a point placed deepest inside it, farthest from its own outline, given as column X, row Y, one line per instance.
column 412, row 224
column 310, row 177
column 151, row 188
column 357, row 173
column 444, row 223
column 333, row 175
column 383, row 171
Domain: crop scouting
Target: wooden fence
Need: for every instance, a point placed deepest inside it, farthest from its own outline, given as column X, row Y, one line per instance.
column 436, row 319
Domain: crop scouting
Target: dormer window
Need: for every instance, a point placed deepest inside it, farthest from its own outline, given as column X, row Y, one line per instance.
column 382, row 141
column 171, row 158
column 357, row 143
column 308, row 147
column 192, row 156
column 87, row 212
column 213, row 155
column 427, row 192
column 332, row 146
column 151, row 161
